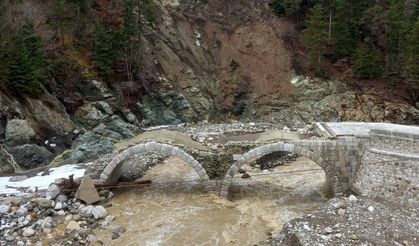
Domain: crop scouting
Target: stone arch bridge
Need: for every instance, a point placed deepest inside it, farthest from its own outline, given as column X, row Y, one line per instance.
column 339, row 149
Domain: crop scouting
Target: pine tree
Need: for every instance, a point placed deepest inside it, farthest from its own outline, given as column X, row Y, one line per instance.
column 25, row 61
column 286, row 7
column 316, row 36
column 278, row 7
column 397, row 28
column 368, row 61
column 345, row 30
column 130, row 38
column 106, row 45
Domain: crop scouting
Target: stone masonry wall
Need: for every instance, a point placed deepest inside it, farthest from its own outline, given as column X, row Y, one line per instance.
column 389, row 175
column 390, row 167
column 395, row 141
column 343, row 154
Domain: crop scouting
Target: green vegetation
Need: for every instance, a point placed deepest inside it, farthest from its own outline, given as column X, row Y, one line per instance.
column 103, row 38
column 113, row 45
column 376, row 38
column 368, row 63
column 286, row 7
column 105, row 48
column 89, row 38
column 24, row 67
column 316, row 36
column 411, row 56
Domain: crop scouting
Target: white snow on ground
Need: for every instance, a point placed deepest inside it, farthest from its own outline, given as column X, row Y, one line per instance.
column 38, row 181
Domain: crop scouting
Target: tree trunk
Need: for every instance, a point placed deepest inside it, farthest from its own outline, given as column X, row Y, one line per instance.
column 330, row 25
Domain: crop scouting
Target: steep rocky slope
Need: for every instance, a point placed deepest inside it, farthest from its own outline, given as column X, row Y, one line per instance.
column 201, row 61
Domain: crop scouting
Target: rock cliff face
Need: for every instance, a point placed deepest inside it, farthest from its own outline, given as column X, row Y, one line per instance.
column 202, row 61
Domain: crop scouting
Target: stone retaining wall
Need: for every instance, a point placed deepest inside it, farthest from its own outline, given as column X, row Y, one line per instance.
column 389, row 175
column 395, row 141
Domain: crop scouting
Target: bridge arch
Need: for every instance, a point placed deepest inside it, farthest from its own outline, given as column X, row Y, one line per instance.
column 332, row 180
column 112, row 171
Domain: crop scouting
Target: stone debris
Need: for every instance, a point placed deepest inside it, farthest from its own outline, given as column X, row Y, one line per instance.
column 87, row 191
column 4, row 208
column 389, row 224
column 28, row 232
column 99, row 212
column 352, row 198
column 341, row 211
column 44, row 202
column 29, row 219
column 53, row 191
column 73, row 226
column 58, row 206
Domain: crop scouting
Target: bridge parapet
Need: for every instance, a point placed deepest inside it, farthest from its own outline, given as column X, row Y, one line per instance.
column 395, row 141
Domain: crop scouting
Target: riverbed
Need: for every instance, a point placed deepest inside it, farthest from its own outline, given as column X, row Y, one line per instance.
column 175, row 210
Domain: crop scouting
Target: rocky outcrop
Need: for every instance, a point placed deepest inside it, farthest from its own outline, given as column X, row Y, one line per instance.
column 31, row 155
column 212, row 61
column 322, row 100
column 34, row 130
column 18, row 132
column 99, row 141
column 7, row 164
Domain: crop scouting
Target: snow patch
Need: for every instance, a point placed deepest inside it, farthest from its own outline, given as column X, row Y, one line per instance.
column 40, row 181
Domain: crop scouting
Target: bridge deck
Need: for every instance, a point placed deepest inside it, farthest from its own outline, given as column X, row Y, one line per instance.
column 362, row 129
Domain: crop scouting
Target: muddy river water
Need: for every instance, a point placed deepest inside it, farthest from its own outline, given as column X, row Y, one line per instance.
column 175, row 210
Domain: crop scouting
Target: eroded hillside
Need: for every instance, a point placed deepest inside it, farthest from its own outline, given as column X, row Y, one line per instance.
column 194, row 61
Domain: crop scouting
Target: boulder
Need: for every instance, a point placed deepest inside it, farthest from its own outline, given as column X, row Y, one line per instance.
column 99, row 212
column 58, row 206
column 86, row 211
column 129, row 116
column 87, row 191
column 6, row 162
column 44, row 203
column 4, row 208
column 61, row 198
column 28, row 232
column 53, row 191
column 95, row 89
column 73, row 226
column 15, row 201
column 166, row 108
column 31, row 155
column 91, row 238
column 18, row 132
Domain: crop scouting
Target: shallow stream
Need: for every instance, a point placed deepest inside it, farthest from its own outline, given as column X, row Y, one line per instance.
column 175, row 210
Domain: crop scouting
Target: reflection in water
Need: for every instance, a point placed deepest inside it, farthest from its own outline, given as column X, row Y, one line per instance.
column 175, row 210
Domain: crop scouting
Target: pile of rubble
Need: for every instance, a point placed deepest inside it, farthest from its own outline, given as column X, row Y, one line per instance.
column 354, row 221
column 56, row 217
